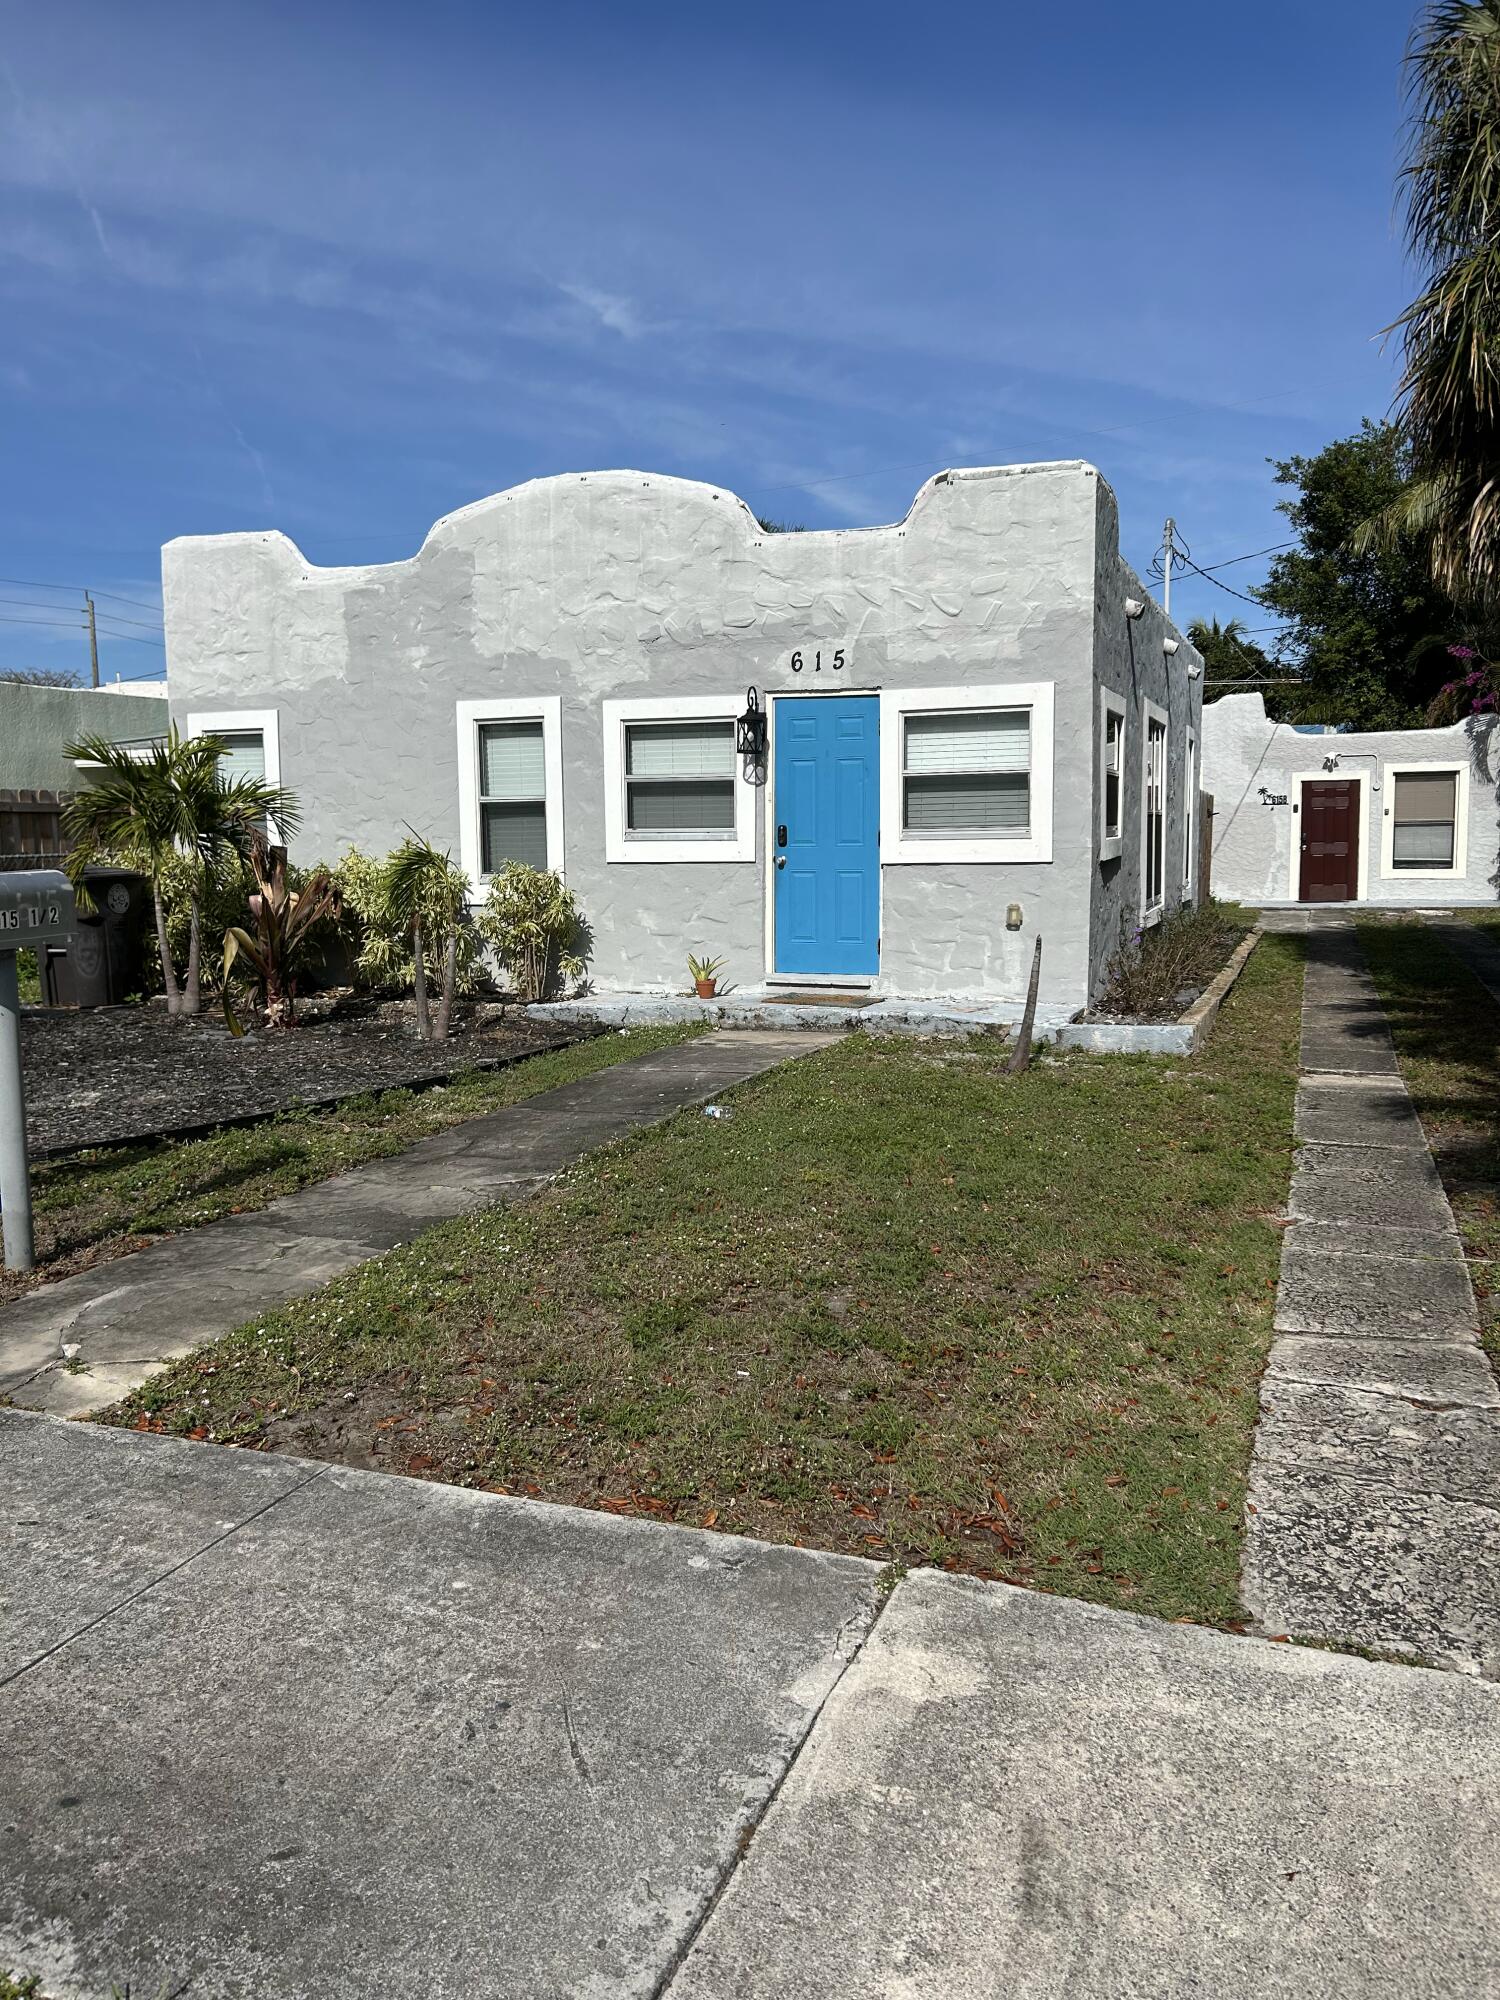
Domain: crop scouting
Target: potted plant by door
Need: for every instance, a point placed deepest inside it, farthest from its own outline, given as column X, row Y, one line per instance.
column 704, row 973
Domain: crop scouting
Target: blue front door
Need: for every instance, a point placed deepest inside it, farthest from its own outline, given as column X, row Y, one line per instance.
column 826, row 841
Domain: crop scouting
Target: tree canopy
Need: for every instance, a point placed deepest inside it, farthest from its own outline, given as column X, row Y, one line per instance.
column 1367, row 631
column 1450, row 387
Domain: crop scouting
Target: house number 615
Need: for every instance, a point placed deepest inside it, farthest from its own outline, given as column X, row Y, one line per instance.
column 815, row 665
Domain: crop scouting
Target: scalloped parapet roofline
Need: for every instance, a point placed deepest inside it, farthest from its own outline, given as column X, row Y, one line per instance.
column 626, row 480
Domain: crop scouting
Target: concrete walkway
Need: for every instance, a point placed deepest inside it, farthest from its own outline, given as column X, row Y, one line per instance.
column 82, row 1343
column 285, row 1730
column 1374, row 1501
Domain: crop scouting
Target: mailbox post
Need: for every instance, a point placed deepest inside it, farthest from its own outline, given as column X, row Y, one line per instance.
column 36, row 908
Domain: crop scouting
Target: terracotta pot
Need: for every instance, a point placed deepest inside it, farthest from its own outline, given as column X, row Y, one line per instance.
column 707, row 988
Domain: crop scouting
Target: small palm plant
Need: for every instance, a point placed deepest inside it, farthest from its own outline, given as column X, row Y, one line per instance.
column 147, row 808
column 284, row 920
column 428, row 899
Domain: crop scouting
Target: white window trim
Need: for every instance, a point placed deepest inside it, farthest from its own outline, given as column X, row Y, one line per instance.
column 1388, row 867
column 543, row 708
column 618, row 846
column 1152, row 913
column 897, row 847
column 229, row 721
column 1111, row 845
column 1294, row 861
column 1189, row 811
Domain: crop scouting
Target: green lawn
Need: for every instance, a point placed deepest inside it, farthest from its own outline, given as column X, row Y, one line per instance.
column 104, row 1201
column 901, row 1305
column 1445, row 1028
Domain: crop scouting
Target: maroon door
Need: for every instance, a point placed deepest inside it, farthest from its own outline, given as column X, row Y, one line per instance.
column 1330, row 842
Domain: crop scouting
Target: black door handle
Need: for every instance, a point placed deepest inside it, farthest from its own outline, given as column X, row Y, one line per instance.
column 781, row 835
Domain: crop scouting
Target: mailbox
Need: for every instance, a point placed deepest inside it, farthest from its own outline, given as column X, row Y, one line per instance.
column 36, row 905
column 36, row 908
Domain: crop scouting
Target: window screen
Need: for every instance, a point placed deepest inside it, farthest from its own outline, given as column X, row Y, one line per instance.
column 244, row 753
column 968, row 772
column 1424, row 810
column 1154, row 807
column 512, row 795
column 679, row 779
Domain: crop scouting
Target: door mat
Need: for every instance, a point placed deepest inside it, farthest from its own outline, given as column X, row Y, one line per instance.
column 822, row 998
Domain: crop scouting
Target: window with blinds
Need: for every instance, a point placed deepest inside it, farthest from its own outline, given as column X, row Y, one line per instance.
column 244, row 753
column 967, row 772
column 1424, row 812
column 512, row 795
column 679, row 780
column 1114, row 742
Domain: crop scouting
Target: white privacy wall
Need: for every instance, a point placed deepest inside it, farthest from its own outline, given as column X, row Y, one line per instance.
column 627, row 587
column 1254, row 768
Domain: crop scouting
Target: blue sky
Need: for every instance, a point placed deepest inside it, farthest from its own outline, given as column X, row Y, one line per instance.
column 340, row 269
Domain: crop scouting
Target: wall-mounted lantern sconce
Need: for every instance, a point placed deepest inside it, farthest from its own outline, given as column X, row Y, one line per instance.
column 1134, row 607
column 1013, row 917
column 750, row 730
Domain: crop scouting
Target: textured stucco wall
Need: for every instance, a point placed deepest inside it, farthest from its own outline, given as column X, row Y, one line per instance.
column 36, row 722
column 1130, row 662
column 621, row 584
column 1245, row 754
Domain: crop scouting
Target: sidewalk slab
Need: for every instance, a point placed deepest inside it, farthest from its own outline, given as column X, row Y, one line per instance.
column 382, row 1736
column 1333, row 1111
column 1372, row 1295
column 1453, row 1372
column 1015, row 1797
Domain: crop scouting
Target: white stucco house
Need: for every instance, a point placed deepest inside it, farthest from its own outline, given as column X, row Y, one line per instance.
column 977, row 725
column 1398, row 816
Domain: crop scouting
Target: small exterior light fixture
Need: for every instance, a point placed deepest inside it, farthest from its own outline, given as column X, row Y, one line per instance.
column 1134, row 607
column 1331, row 763
column 1169, row 646
column 750, row 730
column 1013, row 917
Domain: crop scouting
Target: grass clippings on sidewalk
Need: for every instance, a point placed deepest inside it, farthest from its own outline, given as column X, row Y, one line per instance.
column 900, row 1305
column 105, row 1202
column 1446, row 1029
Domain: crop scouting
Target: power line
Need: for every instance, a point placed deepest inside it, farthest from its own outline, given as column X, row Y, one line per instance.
column 1243, row 596
column 118, row 620
column 73, row 625
column 1229, row 561
column 31, row 583
column 129, row 638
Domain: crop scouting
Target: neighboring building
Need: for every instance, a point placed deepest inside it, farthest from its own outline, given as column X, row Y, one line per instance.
column 970, row 740
column 36, row 725
column 1400, row 816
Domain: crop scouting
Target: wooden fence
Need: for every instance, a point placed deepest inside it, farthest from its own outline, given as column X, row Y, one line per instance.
column 31, row 834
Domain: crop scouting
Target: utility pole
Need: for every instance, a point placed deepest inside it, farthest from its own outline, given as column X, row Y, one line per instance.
column 1166, row 571
column 93, row 639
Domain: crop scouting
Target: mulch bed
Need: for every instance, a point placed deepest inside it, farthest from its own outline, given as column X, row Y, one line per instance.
column 113, row 1074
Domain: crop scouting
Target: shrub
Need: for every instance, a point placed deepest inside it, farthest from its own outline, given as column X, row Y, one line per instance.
column 531, row 922
column 1153, row 969
column 380, row 945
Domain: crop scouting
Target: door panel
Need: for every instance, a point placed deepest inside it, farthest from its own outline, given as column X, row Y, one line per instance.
column 1329, row 842
column 827, row 876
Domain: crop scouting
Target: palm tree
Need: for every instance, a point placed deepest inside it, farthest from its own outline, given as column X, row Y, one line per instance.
column 428, row 898
column 1450, row 385
column 145, row 807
